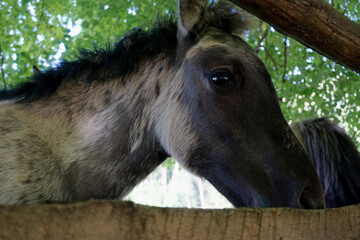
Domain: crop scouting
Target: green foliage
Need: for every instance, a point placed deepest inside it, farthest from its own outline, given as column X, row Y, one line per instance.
column 34, row 29
column 169, row 163
column 307, row 83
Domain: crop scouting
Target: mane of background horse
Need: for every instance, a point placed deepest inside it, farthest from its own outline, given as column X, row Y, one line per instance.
column 124, row 57
column 336, row 159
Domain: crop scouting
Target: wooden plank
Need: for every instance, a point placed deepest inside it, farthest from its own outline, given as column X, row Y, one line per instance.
column 125, row 220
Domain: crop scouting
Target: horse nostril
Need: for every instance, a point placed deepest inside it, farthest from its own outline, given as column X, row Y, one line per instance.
column 309, row 198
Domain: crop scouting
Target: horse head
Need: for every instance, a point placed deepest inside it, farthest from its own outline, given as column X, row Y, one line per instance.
column 223, row 120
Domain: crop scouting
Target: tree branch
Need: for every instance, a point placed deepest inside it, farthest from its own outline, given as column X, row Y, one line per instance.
column 42, row 13
column 262, row 35
column 285, row 59
column 39, row 21
column 272, row 60
column 2, row 67
column 315, row 24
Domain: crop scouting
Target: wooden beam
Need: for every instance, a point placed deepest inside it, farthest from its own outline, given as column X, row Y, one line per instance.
column 124, row 220
column 315, row 24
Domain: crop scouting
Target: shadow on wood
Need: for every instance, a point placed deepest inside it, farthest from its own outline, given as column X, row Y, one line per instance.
column 125, row 220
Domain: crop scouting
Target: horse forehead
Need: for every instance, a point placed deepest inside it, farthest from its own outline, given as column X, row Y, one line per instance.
column 228, row 43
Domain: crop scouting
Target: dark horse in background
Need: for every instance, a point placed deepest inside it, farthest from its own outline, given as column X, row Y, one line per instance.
column 192, row 89
column 335, row 157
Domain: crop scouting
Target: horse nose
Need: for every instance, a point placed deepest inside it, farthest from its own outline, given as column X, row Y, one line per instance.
column 311, row 197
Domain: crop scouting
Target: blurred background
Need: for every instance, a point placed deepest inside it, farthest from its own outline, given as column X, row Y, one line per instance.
column 42, row 32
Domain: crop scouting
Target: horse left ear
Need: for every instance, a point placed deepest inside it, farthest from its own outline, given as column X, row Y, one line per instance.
column 190, row 15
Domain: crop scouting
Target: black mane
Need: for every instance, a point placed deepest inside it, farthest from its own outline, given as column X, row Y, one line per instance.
column 123, row 58
column 336, row 159
column 118, row 61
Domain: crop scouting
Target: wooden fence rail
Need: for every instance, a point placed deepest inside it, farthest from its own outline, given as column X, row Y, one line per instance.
column 125, row 220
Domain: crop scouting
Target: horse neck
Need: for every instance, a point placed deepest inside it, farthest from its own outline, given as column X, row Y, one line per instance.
column 112, row 127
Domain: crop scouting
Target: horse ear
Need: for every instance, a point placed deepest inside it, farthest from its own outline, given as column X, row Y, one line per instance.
column 190, row 15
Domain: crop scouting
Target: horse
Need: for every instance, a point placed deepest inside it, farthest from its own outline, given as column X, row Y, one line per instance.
column 335, row 157
column 190, row 88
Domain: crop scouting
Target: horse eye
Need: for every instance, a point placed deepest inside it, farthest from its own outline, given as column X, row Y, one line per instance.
column 222, row 80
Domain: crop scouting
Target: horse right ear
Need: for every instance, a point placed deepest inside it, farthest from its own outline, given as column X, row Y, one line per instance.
column 190, row 15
